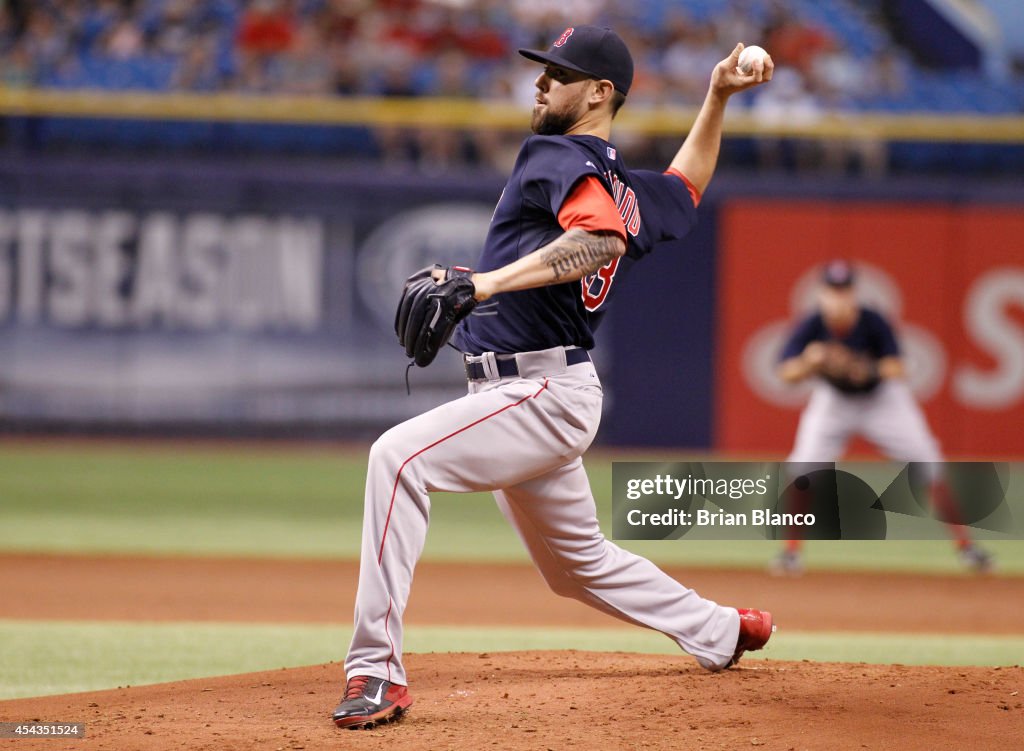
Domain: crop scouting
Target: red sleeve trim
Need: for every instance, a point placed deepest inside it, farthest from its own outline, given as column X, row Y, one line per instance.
column 589, row 207
column 694, row 193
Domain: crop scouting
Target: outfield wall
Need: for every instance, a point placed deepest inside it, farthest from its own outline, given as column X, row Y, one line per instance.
column 950, row 274
column 232, row 298
column 257, row 297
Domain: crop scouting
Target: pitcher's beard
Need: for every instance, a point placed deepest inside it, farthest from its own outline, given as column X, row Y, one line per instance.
column 546, row 122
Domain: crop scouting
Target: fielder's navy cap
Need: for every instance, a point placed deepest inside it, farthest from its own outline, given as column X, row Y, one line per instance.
column 838, row 273
column 592, row 50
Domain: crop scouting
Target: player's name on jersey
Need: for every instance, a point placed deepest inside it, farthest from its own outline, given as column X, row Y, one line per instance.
column 717, row 518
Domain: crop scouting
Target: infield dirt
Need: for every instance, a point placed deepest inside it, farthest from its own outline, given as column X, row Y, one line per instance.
column 531, row 700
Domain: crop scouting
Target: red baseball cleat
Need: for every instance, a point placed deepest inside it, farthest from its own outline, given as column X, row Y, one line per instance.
column 756, row 628
column 371, row 701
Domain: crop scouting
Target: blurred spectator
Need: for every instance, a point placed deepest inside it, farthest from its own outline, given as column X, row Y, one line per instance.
column 346, row 77
column 18, row 67
column 787, row 102
column 339, row 19
column 442, row 147
column 395, row 77
column 46, row 41
column 198, row 70
column 305, row 67
column 691, row 51
column 176, row 32
column 795, row 43
column 124, row 40
column 544, row 14
column 398, row 47
column 738, row 23
column 93, row 21
column 266, row 29
column 845, row 60
column 889, row 78
column 838, row 79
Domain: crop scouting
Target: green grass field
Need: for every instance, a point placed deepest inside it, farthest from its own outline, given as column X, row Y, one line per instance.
column 61, row 657
column 290, row 502
column 175, row 499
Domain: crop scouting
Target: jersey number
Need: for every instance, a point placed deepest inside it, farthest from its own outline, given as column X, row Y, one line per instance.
column 596, row 286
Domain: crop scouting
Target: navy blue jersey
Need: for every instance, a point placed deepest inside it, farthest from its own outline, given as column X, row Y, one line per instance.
column 655, row 207
column 871, row 336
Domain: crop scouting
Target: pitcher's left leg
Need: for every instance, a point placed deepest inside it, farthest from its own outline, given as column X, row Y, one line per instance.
column 556, row 518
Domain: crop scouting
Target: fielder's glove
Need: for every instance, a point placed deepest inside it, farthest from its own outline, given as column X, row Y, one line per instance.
column 429, row 310
column 846, row 369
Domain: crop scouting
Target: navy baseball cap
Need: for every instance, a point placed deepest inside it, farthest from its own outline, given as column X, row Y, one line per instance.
column 593, row 51
column 838, row 273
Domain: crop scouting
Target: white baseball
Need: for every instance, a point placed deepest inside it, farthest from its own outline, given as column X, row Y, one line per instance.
column 747, row 57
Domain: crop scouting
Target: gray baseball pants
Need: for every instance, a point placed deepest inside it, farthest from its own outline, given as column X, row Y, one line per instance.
column 522, row 438
column 889, row 417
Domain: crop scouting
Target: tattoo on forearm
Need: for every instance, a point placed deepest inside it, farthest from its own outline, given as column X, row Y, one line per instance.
column 580, row 250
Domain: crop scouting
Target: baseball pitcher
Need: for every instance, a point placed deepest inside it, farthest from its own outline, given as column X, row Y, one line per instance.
column 569, row 225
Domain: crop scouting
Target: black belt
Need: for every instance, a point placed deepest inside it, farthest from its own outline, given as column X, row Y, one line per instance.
column 507, row 364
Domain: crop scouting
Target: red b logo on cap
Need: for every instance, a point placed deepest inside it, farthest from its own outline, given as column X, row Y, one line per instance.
column 565, row 37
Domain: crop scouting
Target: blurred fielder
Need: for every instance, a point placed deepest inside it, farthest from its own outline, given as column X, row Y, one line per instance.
column 860, row 389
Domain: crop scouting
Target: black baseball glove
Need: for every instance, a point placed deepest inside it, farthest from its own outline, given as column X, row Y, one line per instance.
column 429, row 311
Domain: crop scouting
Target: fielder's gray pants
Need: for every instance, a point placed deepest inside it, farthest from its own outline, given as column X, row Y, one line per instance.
column 889, row 417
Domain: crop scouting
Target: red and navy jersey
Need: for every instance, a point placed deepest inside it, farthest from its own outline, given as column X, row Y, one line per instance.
column 871, row 335
column 655, row 207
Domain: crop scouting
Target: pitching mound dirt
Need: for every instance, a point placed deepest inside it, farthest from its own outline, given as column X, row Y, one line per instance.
column 563, row 700
column 530, row 700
